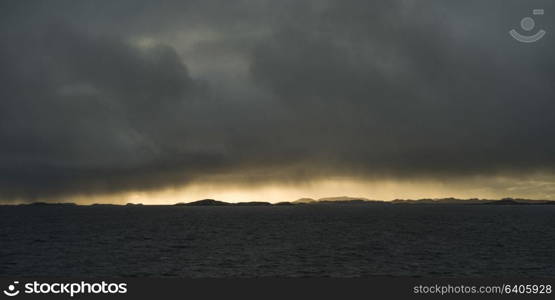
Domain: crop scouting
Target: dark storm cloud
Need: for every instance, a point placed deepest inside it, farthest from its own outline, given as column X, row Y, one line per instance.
column 399, row 86
column 368, row 88
column 83, row 112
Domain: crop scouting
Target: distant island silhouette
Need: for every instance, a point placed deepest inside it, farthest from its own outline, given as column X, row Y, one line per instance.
column 343, row 200
column 212, row 202
column 205, row 202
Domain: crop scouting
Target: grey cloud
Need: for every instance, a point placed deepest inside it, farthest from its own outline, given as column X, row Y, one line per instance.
column 79, row 107
column 365, row 88
column 407, row 93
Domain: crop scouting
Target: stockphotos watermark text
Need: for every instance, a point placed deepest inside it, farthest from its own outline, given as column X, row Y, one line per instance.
column 68, row 288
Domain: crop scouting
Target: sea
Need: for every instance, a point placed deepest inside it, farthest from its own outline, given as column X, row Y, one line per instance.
column 309, row 241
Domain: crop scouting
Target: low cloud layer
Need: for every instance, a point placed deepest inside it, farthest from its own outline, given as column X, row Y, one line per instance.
column 145, row 95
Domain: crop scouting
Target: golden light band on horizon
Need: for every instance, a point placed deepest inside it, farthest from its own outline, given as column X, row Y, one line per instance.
column 539, row 188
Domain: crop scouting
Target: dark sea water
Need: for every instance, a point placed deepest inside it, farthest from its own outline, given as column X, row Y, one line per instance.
column 299, row 241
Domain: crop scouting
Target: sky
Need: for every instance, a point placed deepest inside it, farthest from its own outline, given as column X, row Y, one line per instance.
column 174, row 101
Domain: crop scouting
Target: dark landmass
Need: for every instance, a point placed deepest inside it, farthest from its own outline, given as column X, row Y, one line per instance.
column 505, row 201
column 343, row 199
column 331, row 201
column 510, row 201
column 440, row 201
column 355, row 201
column 205, row 202
column 212, row 202
column 284, row 204
column 253, row 204
column 304, row 201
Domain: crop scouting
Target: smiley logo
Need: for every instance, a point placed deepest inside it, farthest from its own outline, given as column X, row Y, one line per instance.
column 11, row 292
column 528, row 24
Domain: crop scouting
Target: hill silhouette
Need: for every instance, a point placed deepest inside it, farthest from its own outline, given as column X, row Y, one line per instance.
column 304, row 200
column 343, row 200
column 205, row 202
column 255, row 203
column 511, row 201
column 212, row 202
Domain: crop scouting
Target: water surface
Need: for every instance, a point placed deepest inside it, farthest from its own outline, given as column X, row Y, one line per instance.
column 298, row 241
